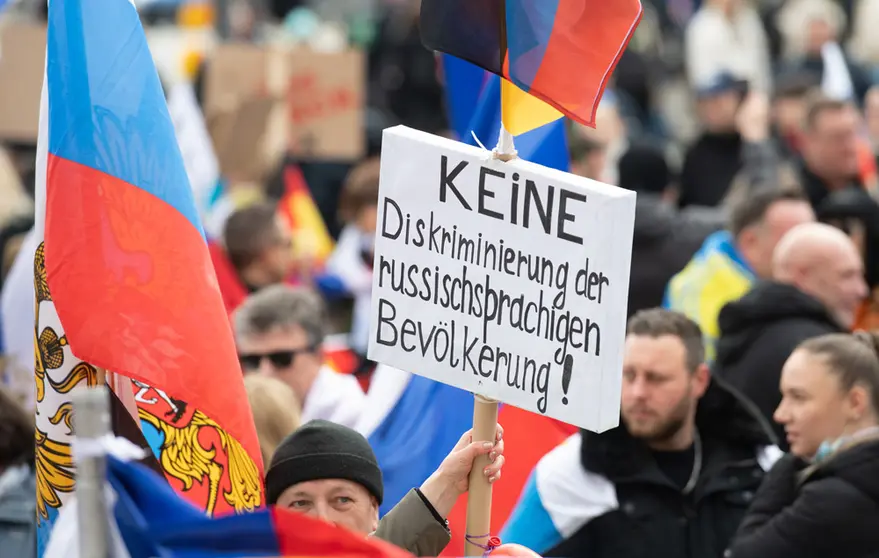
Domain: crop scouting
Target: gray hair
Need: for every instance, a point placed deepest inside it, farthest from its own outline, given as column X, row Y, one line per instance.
column 282, row 307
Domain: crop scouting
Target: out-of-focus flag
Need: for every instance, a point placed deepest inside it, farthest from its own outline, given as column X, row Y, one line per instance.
column 124, row 257
column 463, row 83
column 546, row 145
column 146, row 518
column 311, row 239
column 560, row 51
column 522, row 112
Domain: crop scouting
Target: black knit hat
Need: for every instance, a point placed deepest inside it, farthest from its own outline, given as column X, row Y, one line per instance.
column 321, row 450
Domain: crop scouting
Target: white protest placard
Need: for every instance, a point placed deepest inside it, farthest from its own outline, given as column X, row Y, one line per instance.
column 509, row 280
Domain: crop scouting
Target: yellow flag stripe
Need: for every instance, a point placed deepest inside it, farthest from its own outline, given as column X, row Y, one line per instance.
column 521, row 112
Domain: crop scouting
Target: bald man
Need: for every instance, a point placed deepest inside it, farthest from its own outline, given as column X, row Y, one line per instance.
column 817, row 286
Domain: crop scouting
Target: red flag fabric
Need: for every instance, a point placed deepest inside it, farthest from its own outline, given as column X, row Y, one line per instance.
column 560, row 51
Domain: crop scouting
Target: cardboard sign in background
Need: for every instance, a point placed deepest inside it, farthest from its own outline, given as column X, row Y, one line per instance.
column 318, row 111
column 22, row 63
column 238, row 140
column 325, row 99
column 509, row 280
column 235, row 72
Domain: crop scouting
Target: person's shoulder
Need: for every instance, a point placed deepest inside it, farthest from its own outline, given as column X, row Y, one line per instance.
column 703, row 267
column 571, row 494
column 704, row 16
column 17, row 486
column 342, row 381
column 559, row 499
column 794, row 329
column 696, row 223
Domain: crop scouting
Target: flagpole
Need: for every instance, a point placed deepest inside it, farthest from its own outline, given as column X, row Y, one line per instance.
column 91, row 419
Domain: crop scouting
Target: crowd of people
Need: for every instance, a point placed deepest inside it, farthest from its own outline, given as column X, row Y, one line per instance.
column 749, row 130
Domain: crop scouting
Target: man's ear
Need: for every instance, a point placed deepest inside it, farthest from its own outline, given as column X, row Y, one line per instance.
column 747, row 238
column 701, row 379
column 374, row 512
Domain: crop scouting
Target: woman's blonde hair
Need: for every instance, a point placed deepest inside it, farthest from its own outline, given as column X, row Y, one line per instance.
column 276, row 411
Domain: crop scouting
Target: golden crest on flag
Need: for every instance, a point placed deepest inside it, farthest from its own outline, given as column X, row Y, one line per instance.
column 199, row 458
column 54, row 460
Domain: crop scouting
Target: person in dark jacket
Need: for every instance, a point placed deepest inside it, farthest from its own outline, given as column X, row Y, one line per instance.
column 403, row 76
column 817, row 288
column 665, row 238
column 823, row 498
column 856, row 213
column 18, row 506
column 830, row 160
column 712, row 162
column 673, row 480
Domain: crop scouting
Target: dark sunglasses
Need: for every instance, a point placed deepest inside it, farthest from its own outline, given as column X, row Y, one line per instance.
column 279, row 359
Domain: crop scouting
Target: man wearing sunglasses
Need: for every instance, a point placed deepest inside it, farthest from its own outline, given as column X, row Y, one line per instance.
column 279, row 332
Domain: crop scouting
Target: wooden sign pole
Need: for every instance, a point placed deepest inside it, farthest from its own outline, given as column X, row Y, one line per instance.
column 479, row 496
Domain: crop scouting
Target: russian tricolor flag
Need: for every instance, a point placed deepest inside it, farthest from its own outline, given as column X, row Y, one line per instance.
column 126, row 258
column 146, row 519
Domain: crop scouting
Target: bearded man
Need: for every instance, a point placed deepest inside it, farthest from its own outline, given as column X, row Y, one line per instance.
column 673, row 480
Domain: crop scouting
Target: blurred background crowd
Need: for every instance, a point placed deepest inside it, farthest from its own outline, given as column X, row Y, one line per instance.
column 733, row 120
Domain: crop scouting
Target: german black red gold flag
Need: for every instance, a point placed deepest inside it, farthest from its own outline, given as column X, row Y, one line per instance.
column 559, row 51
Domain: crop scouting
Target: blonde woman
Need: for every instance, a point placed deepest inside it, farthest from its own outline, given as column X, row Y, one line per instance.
column 276, row 411
column 823, row 498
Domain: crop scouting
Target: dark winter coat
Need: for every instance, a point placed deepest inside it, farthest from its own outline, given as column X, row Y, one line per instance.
column 651, row 516
column 664, row 240
column 831, row 509
column 758, row 333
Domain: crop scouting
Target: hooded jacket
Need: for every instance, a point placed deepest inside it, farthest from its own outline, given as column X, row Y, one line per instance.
column 758, row 334
column 829, row 509
column 603, row 495
column 844, row 209
column 710, row 165
column 663, row 242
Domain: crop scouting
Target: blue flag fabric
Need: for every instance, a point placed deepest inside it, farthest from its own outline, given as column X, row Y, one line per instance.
column 418, row 431
column 473, row 97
